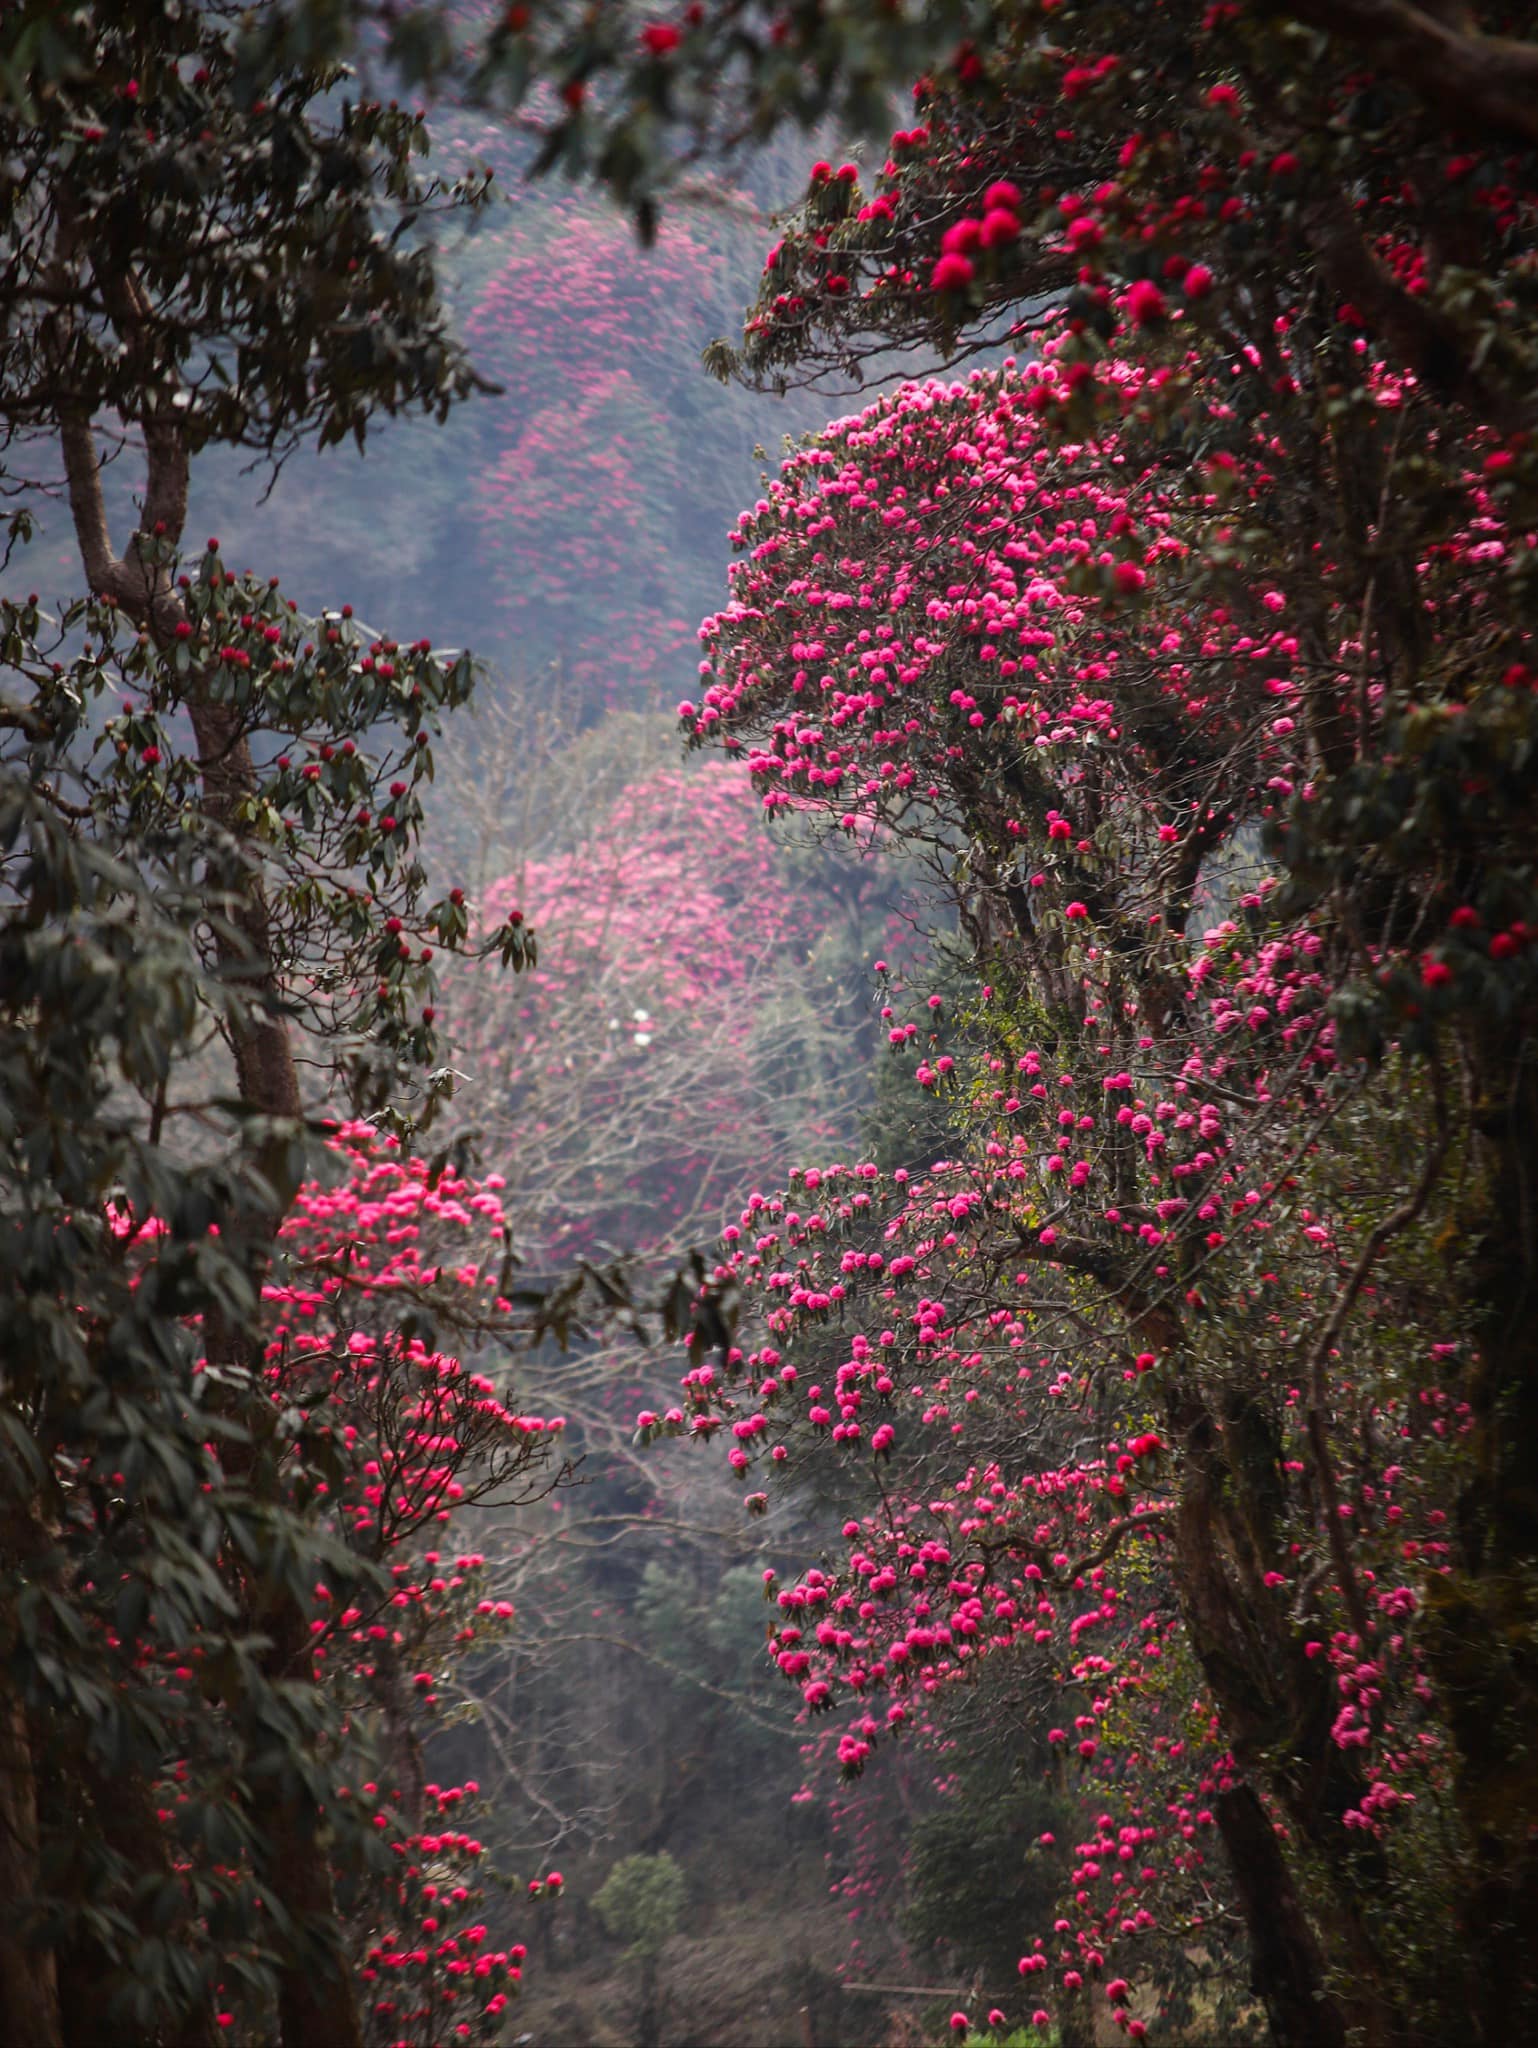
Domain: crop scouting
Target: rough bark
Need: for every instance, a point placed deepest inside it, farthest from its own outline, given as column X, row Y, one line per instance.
column 1481, row 1618
column 1487, row 85
column 1286, row 1966
column 1277, row 1708
column 29, row 1990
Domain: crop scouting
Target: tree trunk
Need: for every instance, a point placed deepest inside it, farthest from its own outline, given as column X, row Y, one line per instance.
column 1481, row 1618
column 29, row 1990
column 1286, row 1966
column 1276, row 1711
column 648, row 2002
column 317, row 2006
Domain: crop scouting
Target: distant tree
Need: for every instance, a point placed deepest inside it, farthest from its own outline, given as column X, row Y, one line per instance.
column 608, row 462
column 641, row 1903
column 705, row 1046
column 656, row 1057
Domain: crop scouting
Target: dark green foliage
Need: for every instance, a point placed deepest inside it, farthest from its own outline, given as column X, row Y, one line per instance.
column 978, row 1872
column 235, row 224
column 116, row 1502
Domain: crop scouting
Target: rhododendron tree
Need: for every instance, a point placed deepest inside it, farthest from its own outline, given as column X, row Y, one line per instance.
column 1189, row 1384
column 1195, row 651
column 212, row 813
column 344, row 955
column 404, row 1437
column 607, row 462
column 373, row 1438
column 216, row 1542
column 708, row 1046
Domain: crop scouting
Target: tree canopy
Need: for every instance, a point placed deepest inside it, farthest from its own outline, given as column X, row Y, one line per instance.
column 1194, row 641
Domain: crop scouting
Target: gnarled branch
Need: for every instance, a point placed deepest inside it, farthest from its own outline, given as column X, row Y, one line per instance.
column 1475, row 81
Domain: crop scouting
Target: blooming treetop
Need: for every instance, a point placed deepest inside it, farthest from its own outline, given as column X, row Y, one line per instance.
column 992, row 614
